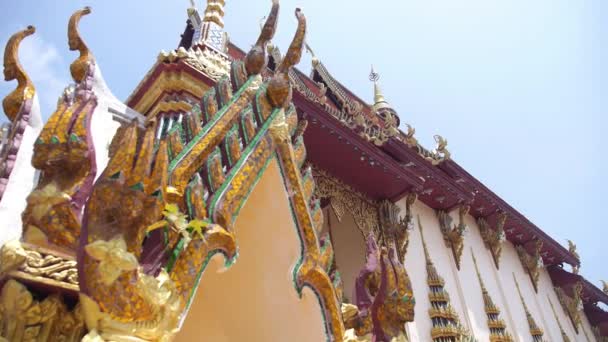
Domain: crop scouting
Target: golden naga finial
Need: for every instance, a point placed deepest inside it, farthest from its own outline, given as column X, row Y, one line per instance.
column 14, row 71
column 80, row 66
column 256, row 58
column 279, row 87
column 605, row 285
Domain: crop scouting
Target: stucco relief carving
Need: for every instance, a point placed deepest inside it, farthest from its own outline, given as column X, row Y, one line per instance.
column 493, row 237
column 532, row 263
column 572, row 305
column 345, row 199
column 454, row 235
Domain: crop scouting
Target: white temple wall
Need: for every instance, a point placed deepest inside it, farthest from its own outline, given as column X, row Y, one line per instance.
column 545, row 287
column 103, row 122
column 470, row 283
column 416, row 268
column 509, row 265
column 586, row 329
column 463, row 286
column 22, row 179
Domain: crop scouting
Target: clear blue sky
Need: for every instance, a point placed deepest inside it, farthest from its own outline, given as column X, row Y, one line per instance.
column 518, row 87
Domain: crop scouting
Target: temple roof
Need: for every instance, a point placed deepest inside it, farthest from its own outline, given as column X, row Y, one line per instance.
column 345, row 134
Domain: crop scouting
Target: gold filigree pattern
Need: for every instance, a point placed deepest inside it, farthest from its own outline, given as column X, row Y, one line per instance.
column 536, row 332
column 32, row 263
column 446, row 323
column 565, row 337
column 493, row 237
column 211, row 63
column 532, row 263
column 343, row 198
column 572, row 305
column 24, row 318
column 572, row 250
column 497, row 326
column 454, row 236
column 189, row 177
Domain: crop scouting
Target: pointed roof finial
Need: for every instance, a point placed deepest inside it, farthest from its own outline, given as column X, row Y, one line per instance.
column 315, row 59
column 379, row 100
column 14, row 71
column 215, row 12
column 80, row 66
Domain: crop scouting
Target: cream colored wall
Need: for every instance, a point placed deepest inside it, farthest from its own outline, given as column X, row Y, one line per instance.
column 464, row 290
column 255, row 300
column 349, row 248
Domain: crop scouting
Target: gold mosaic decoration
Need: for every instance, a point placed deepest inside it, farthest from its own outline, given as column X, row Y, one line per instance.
column 446, row 323
column 572, row 305
column 497, row 326
column 572, row 250
column 121, row 300
column 13, row 70
column 536, row 332
column 493, row 237
column 344, row 199
column 453, row 235
column 532, row 263
column 565, row 337
column 29, row 262
column 25, row 318
column 65, row 155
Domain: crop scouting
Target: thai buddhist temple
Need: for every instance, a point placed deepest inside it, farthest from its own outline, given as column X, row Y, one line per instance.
column 233, row 197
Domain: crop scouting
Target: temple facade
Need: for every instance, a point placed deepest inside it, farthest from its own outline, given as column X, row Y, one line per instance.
column 232, row 197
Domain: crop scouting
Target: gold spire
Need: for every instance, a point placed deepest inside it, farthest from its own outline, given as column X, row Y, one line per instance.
column 535, row 331
column 379, row 100
column 14, row 71
column 559, row 324
column 497, row 326
column 215, row 12
column 446, row 323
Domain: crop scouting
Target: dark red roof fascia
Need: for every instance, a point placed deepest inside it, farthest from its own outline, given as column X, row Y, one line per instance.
column 313, row 111
column 564, row 279
column 556, row 248
column 597, row 317
column 403, row 153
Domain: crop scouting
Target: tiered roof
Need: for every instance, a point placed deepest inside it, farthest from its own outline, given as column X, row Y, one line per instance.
column 345, row 133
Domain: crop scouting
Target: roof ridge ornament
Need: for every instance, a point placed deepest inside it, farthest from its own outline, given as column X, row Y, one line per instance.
column 572, row 250
column 256, row 59
column 208, row 29
column 315, row 59
column 379, row 100
column 279, row 87
column 80, row 66
column 13, row 70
